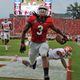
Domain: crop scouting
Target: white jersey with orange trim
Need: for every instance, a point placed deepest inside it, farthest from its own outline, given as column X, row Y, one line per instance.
column 53, row 53
column 6, row 26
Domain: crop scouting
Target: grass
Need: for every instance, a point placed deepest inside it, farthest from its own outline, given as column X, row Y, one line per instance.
column 15, row 45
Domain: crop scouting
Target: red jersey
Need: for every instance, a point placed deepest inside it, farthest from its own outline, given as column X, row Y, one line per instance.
column 39, row 29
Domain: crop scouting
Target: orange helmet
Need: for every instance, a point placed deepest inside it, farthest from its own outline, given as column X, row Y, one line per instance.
column 68, row 48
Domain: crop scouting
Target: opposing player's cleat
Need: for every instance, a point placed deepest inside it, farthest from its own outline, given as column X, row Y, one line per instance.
column 46, row 78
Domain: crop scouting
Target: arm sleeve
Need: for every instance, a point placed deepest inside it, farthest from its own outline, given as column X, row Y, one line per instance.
column 31, row 19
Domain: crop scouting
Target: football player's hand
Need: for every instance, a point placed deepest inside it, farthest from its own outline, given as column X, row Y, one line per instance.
column 69, row 70
column 61, row 39
column 22, row 47
column 65, row 38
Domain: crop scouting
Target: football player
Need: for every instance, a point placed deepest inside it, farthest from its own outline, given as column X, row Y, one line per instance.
column 5, row 34
column 58, row 53
column 39, row 23
column 53, row 54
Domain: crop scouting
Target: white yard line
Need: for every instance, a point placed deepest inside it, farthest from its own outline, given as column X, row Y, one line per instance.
column 18, row 70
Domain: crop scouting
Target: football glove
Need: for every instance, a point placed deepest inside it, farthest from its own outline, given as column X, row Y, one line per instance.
column 22, row 47
column 65, row 38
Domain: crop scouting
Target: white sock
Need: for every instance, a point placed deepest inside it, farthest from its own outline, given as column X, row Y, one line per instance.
column 6, row 47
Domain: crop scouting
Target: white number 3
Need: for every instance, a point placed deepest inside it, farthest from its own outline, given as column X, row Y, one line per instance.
column 40, row 28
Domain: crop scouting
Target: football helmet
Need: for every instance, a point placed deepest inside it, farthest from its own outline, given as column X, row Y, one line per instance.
column 42, row 7
column 68, row 48
column 42, row 10
column 5, row 19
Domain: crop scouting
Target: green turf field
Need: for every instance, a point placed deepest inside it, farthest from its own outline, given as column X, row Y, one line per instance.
column 14, row 46
column 14, row 49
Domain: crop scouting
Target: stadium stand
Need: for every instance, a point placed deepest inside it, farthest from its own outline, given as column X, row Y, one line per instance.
column 69, row 26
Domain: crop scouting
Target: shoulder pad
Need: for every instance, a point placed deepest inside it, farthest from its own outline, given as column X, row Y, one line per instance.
column 31, row 18
column 49, row 20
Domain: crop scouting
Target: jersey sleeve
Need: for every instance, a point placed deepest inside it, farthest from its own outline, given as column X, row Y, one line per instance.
column 31, row 19
column 10, row 22
column 49, row 20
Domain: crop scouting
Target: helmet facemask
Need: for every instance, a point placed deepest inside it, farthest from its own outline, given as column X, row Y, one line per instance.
column 5, row 20
column 42, row 11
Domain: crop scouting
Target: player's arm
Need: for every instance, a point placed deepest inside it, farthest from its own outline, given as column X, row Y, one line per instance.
column 63, row 63
column 11, row 27
column 62, row 59
column 1, row 26
column 23, row 46
column 57, row 30
column 26, row 28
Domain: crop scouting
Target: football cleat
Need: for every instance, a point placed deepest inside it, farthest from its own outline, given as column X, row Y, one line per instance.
column 46, row 78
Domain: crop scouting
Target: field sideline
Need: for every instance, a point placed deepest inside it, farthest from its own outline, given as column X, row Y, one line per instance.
column 75, row 58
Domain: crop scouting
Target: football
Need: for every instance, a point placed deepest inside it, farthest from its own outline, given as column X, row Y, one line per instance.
column 59, row 39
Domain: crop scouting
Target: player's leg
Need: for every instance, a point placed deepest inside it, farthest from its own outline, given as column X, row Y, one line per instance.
column 33, row 54
column 19, row 59
column 43, row 52
column 7, row 38
column 2, row 41
column 5, row 43
column 2, row 37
